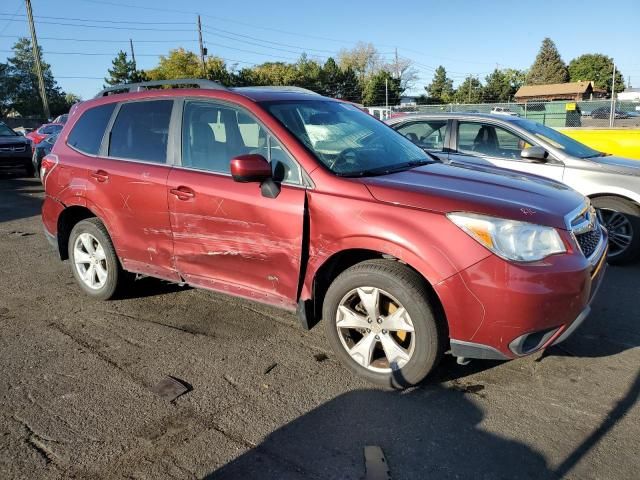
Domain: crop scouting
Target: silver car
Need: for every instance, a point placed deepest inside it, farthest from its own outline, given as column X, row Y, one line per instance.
column 612, row 183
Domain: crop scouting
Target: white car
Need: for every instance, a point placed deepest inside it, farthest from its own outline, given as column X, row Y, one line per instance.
column 503, row 111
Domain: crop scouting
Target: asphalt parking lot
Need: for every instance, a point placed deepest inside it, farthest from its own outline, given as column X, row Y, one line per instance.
column 268, row 400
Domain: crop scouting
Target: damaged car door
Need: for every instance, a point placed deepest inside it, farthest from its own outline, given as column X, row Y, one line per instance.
column 227, row 235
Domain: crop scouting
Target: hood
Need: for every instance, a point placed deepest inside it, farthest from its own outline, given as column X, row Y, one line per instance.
column 12, row 140
column 485, row 190
column 611, row 163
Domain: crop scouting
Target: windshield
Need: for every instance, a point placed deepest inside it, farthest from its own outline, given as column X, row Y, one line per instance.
column 558, row 140
column 6, row 131
column 49, row 129
column 346, row 140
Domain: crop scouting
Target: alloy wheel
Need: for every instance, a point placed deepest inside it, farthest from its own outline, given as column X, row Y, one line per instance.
column 375, row 329
column 90, row 261
column 619, row 228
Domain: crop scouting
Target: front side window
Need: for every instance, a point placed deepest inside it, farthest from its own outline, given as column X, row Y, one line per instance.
column 346, row 140
column 489, row 140
column 557, row 139
column 86, row 135
column 141, row 131
column 426, row 134
column 213, row 134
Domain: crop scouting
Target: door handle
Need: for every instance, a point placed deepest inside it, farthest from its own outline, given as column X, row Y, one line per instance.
column 183, row 193
column 100, row 175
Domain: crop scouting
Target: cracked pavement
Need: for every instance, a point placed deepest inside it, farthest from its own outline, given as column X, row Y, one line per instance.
column 269, row 400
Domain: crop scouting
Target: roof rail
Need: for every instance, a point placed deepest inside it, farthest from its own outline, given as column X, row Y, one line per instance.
column 141, row 86
column 278, row 88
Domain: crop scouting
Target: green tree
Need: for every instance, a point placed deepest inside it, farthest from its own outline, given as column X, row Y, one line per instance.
column 548, row 66
column 380, row 88
column 123, row 70
column 308, row 74
column 350, row 86
column 501, row 85
column 597, row 68
column 22, row 90
column 330, row 79
column 469, row 91
column 181, row 63
column 440, row 90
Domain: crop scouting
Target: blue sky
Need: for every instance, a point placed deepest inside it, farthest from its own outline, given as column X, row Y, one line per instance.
column 464, row 36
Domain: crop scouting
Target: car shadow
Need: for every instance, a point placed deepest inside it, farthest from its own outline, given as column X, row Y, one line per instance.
column 149, row 287
column 431, row 432
column 20, row 196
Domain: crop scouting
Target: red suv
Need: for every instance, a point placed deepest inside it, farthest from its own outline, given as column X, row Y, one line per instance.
column 285, row 197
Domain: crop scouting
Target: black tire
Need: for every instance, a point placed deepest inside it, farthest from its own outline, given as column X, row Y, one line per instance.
column 115, row 274
column 631, row 211
column 411, row 291
column 35, row 165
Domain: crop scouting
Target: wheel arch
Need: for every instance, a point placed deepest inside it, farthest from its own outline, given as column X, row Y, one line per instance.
column 310, row 305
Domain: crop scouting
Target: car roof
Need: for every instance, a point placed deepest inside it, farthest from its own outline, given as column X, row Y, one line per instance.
column 452, row 115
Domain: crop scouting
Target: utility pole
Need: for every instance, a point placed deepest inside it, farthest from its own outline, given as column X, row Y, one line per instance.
column 397, row 65
column 133, row 55
column 36, row 57
column 386, row 97
column 202, row 50
column 612, row 113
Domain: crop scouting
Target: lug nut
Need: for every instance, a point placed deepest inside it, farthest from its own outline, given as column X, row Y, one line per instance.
column 377, row 337
column 384, row 331
column 368, row 330
column 379, row 320
column 369, row 320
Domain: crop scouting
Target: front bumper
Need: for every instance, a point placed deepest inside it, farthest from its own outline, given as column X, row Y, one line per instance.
column 499, row 310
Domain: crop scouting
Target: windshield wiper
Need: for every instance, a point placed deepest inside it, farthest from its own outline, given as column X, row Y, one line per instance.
column 388, row 169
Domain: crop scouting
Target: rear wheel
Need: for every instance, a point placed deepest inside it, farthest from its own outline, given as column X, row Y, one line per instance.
column 379, row 321
column 93, row 259
column 621, row 218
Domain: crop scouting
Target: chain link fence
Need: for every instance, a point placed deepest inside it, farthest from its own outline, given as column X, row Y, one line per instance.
column 584, row 114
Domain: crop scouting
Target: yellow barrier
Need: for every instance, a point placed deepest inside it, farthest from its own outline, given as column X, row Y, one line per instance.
column 621, row 142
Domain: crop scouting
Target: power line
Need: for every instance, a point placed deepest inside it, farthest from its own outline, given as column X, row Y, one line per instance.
column 64, row 24
column 103, row 40
column 91, row 20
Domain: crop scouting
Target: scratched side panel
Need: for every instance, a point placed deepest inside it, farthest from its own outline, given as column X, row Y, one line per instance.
column 427, row 241
column 133, row 202
column 230, row 238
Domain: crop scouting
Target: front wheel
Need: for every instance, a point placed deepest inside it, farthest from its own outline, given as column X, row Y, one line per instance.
column 621, row 218
column 93, row 259
column 379, row 322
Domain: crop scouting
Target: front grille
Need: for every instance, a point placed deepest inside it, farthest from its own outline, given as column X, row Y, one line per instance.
column 18, row 148
column 589, row 241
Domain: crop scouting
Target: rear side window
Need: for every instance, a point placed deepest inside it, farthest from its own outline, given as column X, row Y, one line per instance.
column 141, row 130
column 88, row 131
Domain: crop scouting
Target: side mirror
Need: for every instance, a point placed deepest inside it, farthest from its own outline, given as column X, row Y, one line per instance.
column 255, row 168
column 534, row 153
column 250, row 168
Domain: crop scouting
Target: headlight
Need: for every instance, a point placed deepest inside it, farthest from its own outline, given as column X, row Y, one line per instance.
column 510, row 239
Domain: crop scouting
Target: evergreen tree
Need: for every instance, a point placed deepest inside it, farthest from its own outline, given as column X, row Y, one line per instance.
column 597, row 68
column 350, row 87
column 469, row 91
column 440, row 90
column 548, row 66
column 377, row 85
column 330, row 79
column 123, row 71
column 501, row 85
column 22, row 87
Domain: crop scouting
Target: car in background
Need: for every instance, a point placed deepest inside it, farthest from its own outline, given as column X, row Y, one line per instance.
column 285, row 197
column 15, row 150
column 605, row 112
column 502, row 111
column 39, row 152
column 612, row 183
column 43, row 132
column 61, row 118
